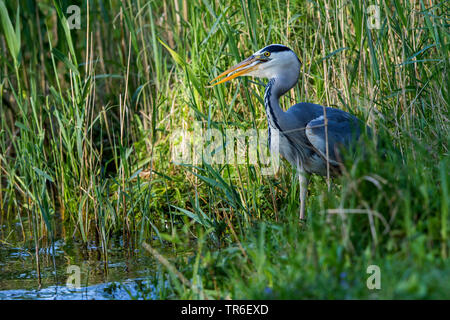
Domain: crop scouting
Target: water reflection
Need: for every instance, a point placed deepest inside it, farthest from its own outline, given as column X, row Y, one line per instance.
column 124, row 290
column 125, row 275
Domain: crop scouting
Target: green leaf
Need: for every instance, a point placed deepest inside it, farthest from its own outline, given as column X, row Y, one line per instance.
column 12, row 36
column 334, row 53
column 180, row 61
column 58, row 54
column 42, row 174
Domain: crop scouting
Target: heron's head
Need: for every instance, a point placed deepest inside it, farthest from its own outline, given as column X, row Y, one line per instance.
column 270, row 62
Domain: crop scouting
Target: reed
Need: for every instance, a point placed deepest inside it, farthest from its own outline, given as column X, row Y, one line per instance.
column 87, row 118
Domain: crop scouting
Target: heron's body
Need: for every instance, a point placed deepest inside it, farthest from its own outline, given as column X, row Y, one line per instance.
column 308, row 135
column 300, row 132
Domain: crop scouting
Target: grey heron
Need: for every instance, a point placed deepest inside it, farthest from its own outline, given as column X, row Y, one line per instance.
column 310, row 136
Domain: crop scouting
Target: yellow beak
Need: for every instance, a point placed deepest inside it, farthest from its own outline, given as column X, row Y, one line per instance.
column 242, row 68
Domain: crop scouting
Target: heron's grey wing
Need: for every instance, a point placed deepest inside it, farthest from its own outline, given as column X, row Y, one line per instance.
column 343, row 131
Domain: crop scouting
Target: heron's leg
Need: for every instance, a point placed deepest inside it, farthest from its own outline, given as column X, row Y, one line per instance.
column 303, row 179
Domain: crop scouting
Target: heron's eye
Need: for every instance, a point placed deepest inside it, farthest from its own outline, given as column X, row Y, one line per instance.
column 267, row 54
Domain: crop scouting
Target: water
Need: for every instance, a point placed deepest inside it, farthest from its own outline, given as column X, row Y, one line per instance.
column 124, row 290
column 126, row 275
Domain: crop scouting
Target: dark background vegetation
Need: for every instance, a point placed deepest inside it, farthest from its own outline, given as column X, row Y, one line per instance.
column 86, row 129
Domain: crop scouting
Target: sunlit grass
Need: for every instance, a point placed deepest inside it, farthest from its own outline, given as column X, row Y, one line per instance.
column 87, row 123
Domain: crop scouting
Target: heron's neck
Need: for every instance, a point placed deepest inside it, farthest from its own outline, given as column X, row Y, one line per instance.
column 274, row 90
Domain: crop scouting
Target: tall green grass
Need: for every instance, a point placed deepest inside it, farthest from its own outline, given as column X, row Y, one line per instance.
column 86, row 129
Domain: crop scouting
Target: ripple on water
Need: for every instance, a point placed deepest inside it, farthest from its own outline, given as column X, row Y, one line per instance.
column 122, row 277
column 125, row 290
